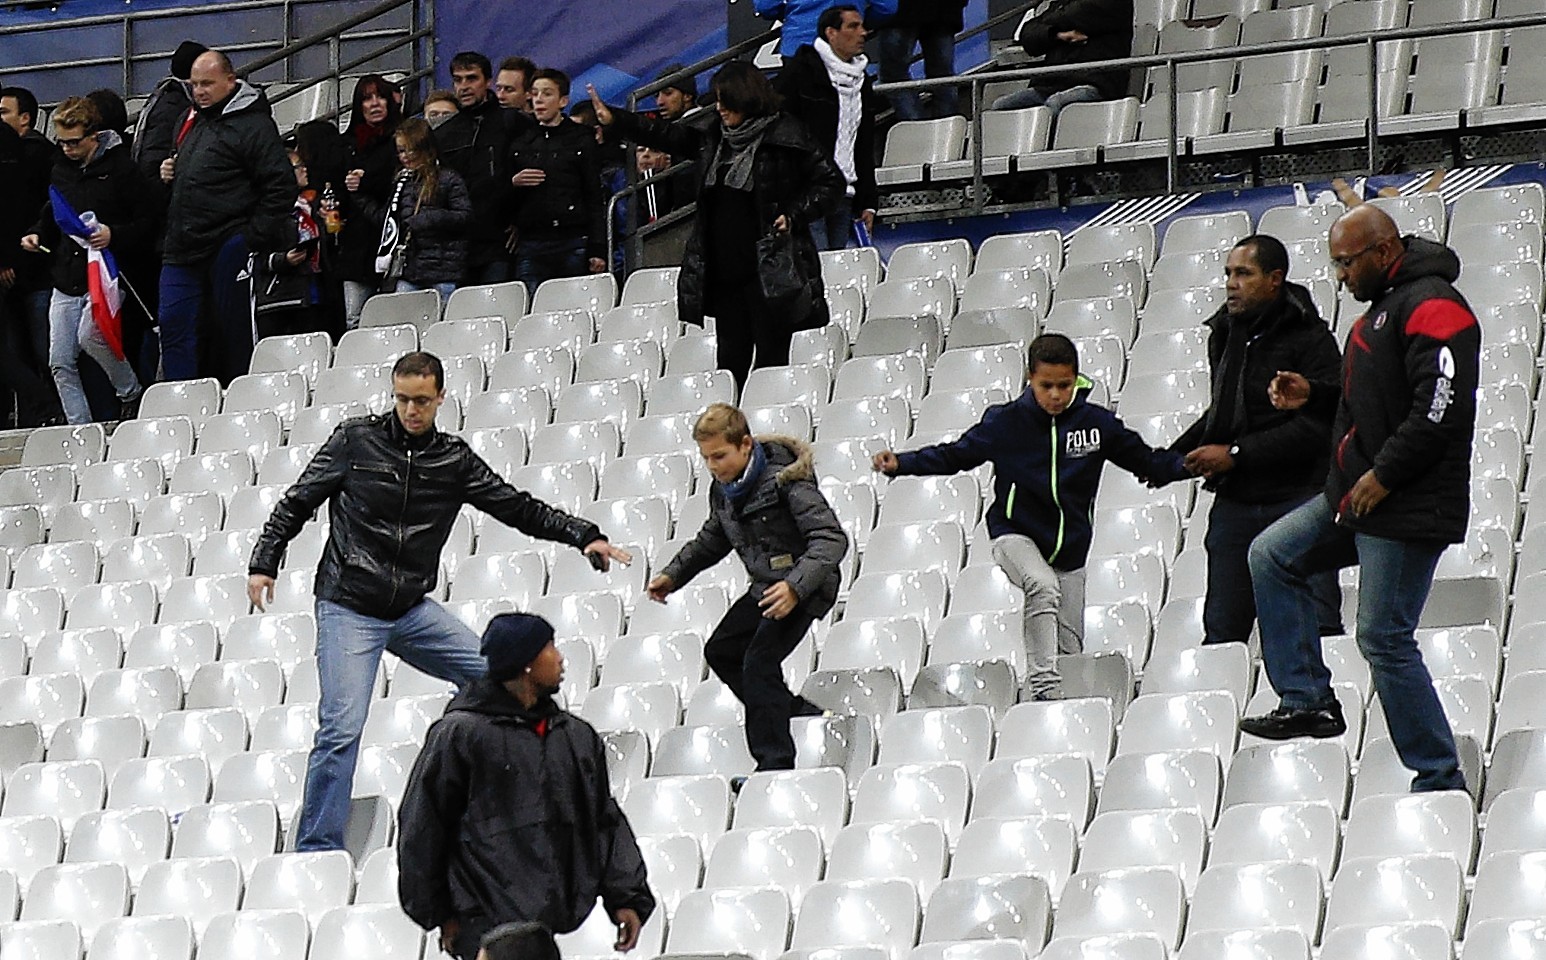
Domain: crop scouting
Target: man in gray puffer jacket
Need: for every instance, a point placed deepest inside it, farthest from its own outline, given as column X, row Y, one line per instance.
column 765, row 506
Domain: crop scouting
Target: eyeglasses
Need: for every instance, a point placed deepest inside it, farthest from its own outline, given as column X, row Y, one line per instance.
column 1346, row 263
column 72, row 142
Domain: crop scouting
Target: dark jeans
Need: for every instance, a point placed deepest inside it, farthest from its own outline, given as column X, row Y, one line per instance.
column 489, row 264
column 1230, row 607
column 24, row 357
column 939, row 58
column 747, row 652
column 549, row 259
column 1394, row 577
column 831, row 232
column 206, row 315
column 744, row 322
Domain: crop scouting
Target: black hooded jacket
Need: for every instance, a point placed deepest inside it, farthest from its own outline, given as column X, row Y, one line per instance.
column 232, row 176
column 1406, row 405
column 475, row 143
column 508, row 816
column 1282, row 454
column 392, row 499
column 1108, row 24
column 111, row 187
column 809, row 95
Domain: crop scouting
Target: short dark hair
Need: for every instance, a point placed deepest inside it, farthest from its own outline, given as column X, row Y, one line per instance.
column 1056, row 349
column 1267, row 252
column 741, row 87
column 26, row 102
column 520, row 941
column 114, row 112
column 522, row 65
column 421, row 364
column 559, row 77
column 222, row 61
column 832, row 18
column 472, row 58
column 583, row 112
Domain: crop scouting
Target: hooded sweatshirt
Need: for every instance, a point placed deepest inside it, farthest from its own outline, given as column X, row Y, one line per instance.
column 508, row 816
column 1046, row 469
column 110, row 186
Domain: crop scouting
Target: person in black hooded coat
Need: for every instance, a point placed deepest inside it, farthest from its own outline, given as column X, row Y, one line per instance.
column 372, row 165
column 508, row 814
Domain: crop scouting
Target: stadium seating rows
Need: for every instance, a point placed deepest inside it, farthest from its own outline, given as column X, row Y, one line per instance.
column 155, row 728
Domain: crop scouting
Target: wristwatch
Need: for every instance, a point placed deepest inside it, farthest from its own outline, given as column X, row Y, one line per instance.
column 1234, row 449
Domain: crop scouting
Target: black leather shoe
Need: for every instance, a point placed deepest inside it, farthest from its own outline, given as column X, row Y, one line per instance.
column 130, row 408
column 1286, row 723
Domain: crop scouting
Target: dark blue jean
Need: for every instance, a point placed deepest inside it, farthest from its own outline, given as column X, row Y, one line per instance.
column 212, row 299
column 939, row 58
column 1394, row 577
column 833, row 230
column 537, row 260
column 1230, row 607
column 349, row 647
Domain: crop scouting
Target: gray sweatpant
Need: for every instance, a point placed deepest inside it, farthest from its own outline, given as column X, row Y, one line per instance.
column 1053, row 612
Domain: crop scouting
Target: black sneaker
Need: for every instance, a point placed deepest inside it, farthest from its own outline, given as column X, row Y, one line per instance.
column 1286, row 723
column 130, row 408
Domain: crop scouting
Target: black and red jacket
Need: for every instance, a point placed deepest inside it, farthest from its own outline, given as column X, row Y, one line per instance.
column 1406, row 406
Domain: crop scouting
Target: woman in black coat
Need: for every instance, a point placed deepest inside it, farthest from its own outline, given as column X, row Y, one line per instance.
column 372, row 165
column 762, row 180
column 431, row 212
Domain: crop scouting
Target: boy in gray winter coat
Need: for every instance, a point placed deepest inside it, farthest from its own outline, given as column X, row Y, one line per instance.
column 765, row 506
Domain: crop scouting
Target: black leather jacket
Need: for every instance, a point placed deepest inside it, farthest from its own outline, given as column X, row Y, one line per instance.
column 392, row 499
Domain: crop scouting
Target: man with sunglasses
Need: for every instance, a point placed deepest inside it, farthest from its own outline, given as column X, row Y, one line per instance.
column 1397, row 495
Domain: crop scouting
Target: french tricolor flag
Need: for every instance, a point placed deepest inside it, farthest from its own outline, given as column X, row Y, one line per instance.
column 101, row 274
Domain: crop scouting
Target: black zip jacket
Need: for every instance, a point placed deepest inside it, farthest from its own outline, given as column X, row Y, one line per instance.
column 475, row 143
column 111, row 187
column 363, row 209
column 1406, row 406
column 1109, row 26
column 809, row 95
column 232, row 176
column 27, row 164
column 392, row 499
column 436, row 231
column 508, row 816
column 568, row 202
column 1282, row 454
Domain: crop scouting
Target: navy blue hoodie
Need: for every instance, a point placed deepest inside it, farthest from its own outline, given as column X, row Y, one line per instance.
column 1046, row 469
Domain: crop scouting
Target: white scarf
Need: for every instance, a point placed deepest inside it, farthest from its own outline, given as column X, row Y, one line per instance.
column 848, row 79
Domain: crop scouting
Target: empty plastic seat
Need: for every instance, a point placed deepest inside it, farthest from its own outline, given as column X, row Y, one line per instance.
column 283, row 393
column 145, row 692
column 790, row 858
column 1136, row 900
column 817, row 798
column 305, row 353
column 78, row 445
column 1427, row 887
column 244, row 831
column 882, row 913
column 135, row 838
column 89, row 894
column 596, row 293
column 753, row 922
column 173, row 783
column 28, row 844
column 1505, row 940
column 143, row 938
column 1295, row 830
column 310, row 883
column 913, row 145
column 421, row 308
column 697, row 805
column 1159, row 722
column 1010, row 907
column 915, row 297
column 912, row 791
column 1257, row 895
column 1006, row 135
column 1437, row 822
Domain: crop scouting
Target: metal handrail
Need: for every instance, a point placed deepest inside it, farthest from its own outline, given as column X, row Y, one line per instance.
column 1170, row 61
column 693, row 69
column 324, row 35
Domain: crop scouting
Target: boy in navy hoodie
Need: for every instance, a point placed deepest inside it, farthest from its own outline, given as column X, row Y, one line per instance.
column 1047, row 447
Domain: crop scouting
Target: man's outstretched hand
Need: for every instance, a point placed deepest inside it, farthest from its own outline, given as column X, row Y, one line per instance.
column 659, row 587
column 1288, row 390
column 260, row 589
column 885, row 462
column 628, row 926
column 603, row 112
column 601, row 554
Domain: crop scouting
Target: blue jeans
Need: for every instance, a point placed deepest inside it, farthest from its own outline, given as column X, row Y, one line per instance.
column 1394, row 579
column 939, row 60
column 495, row 271
column 349, row 646
column 549, row 259
column 209, row 299
column 445, row 289
column 1031, row 97
column 832, row 231
column 65, row 346
column 1230, row 607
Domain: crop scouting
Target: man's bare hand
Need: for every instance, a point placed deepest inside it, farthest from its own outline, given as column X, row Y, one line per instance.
column 602, row 553
column 1073, row 36
column 1367, row 494
column 449, row 931
column 101, row 237
column 868, row 219
column 530, row 177
column 1210, row 461
column 659, row 587
column 1288, row 390
column 168, row 169
column 7, row 278
column 598, row 265
column 628, row 926
column 353, row 179
column 295, row 257
column 885, row 462
column 260, row 590
column 778, row 600
column 603, row 112
column 31, row 243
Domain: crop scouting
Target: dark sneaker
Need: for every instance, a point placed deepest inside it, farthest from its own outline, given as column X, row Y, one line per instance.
column 1286, row 723
column 130, row 408
column 805, row 708
column 736, row 783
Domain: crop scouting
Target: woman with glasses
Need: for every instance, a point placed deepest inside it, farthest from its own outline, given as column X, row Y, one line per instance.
column 100, row 182
column 424, row 232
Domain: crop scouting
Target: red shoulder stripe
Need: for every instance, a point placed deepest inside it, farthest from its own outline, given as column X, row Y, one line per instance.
column 1439, row 319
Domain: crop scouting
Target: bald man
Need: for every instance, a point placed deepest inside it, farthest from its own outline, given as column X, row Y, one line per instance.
column 1397, row 494
column 232, row 192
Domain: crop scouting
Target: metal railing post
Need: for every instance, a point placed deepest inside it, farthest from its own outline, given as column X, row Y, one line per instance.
column 1172, row 109
column 1372, row 46
column 978, row 200
column 128, row 57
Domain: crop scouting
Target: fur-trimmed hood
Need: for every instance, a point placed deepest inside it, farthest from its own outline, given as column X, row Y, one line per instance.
column 801, row 466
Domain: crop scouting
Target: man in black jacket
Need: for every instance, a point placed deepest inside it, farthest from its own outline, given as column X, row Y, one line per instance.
column 508, row 815
column 1259, row 461
column 560, row 213
column 1075, row 31
column 826, row 86
column 232, row 193
column 1397, row 494
column 155, row 132
column 765, row 505
column 393, row 485
column 475, row 143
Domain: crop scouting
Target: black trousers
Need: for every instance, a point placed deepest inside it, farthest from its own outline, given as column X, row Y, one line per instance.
column 747, row 652
column 744, row 321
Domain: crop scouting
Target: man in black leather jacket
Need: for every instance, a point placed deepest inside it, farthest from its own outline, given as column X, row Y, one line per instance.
column 393, row 485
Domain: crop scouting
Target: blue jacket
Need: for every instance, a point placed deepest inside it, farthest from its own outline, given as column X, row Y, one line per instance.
column 1046, row 469
column 800, row 17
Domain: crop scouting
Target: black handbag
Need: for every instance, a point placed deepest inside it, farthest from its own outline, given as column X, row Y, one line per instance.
column 784, row 284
